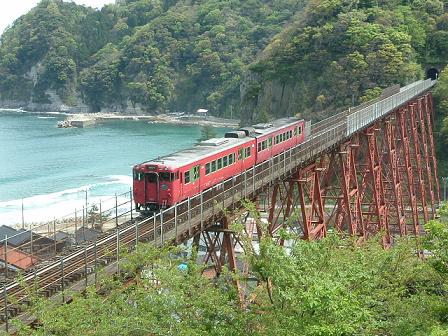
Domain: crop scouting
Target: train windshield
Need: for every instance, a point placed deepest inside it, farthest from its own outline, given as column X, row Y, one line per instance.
column 167, row 177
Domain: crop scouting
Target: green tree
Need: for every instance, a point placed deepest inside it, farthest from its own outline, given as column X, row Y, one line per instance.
column 207, row 132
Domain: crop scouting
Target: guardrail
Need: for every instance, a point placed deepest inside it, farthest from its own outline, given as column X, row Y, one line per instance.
column 360, row 119
column 192, row 215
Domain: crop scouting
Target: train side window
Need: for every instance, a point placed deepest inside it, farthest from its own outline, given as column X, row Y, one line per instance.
column 224, row 161
column 176, row 175
column 219, row 164
column 207, row 168
column 187, row 177
column 195, row 173
column 230, row 159
column 300, row 130
column 247, row 154
column 290, row 134
column 139, row 176
column 295, row 130
column 234, row 157
column 259, row 146
column 240, row 154
column 270, row 142
column 213, row 166
column 264, row 145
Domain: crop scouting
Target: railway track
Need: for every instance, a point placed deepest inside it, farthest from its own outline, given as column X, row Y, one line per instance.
column 183, row 220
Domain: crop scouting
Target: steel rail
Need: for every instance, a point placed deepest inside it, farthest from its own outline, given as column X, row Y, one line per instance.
column 180, row 218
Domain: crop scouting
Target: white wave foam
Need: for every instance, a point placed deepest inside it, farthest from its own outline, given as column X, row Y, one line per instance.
column 40, row 208
column 61, row 210
column 120, row 179
column 46, row 117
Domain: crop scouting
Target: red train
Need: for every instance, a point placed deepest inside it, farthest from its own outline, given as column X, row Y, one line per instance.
column 173, row 178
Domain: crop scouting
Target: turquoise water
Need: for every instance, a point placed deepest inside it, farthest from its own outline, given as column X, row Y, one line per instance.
column 51, row 168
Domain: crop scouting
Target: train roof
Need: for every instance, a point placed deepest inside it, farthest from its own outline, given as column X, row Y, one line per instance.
column 200, row 151
column 271, row 127
column 214, row 146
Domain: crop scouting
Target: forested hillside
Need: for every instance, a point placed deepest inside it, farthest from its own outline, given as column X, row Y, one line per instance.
column 254, row 59
column 147, row 54
column 340, row 53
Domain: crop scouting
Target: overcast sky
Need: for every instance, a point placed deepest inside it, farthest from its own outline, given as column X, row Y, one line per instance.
column 10, row 10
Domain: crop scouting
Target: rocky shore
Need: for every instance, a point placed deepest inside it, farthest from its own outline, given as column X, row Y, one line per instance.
column 171, row 118
column 168, row 118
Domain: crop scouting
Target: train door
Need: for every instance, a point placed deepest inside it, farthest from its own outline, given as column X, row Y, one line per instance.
column 241, row 159
column 152, row 188
column 270, row 146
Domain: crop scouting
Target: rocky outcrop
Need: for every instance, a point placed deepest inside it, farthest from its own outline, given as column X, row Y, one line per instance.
column 272, row 98
column 57, row 105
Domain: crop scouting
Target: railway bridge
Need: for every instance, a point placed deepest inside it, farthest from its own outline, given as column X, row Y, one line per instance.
column 368, row 170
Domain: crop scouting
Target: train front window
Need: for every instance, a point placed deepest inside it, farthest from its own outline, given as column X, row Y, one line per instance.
column 151, row 178
column 168, row 177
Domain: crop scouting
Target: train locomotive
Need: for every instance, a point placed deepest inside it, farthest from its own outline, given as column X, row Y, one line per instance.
column 161, row 183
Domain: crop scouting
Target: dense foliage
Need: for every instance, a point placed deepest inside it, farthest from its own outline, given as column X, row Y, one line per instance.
column 344, row 52
column 327, row 287
column 157, row 54
column 441, row 129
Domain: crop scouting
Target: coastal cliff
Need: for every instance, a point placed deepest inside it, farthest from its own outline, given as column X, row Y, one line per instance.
column 136, row 56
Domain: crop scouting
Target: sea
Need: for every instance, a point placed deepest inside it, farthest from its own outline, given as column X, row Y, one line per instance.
column 47, row 172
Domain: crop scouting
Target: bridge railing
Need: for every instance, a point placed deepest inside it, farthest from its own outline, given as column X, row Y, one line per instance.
column 190, row 216
column 360, row 119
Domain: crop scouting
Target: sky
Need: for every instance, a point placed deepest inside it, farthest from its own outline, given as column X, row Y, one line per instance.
column 10, row 10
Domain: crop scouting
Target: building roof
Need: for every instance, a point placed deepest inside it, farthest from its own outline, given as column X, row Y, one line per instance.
column 61, row 235
column 7, row 231
column 15, row 237
column 16, row 258
column 86, row 234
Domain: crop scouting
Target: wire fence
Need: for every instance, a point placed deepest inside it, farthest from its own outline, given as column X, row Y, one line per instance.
column 119, row 229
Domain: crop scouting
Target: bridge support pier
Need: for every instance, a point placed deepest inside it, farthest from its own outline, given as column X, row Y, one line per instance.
column 381, row 180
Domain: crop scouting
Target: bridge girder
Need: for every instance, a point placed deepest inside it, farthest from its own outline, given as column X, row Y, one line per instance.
column 382, row 180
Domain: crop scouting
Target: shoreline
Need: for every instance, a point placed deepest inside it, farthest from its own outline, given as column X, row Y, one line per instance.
column 170, row 118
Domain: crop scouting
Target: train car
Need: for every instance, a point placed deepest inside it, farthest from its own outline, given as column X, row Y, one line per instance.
column 173, row 178
column 170, row 179
column 278, row 136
